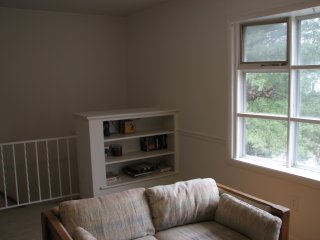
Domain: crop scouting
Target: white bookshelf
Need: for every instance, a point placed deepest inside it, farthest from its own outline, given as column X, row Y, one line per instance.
column 94, row 163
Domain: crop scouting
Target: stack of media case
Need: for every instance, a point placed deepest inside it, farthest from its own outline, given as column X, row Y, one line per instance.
column 138, row 170
column 153, row 143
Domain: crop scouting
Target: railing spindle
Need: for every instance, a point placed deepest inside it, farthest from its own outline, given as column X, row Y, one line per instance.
column 27, row 171
column 4, row 178
column 59, row 173
column 48, row 165
column 69, row 165
column 38, row 172
column 15, row 173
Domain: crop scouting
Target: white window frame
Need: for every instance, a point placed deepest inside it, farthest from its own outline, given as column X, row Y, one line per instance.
column 292, row 68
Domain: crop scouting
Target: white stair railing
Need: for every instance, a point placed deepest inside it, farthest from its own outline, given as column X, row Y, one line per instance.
column 36, row 171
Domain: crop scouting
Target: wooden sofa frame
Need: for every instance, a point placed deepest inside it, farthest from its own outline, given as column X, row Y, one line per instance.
column 52, row 228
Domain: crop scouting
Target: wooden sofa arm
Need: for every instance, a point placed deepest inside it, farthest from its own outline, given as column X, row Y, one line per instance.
column 52, row 228
column 277, row 210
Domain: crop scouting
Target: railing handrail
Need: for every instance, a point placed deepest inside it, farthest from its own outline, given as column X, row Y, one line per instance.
column 38, row 140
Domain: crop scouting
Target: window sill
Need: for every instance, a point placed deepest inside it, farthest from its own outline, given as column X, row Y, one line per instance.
column 300, row 176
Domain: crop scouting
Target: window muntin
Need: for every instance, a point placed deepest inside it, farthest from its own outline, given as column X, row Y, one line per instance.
column 280, row 131
column 309, row 41
column 264, row 42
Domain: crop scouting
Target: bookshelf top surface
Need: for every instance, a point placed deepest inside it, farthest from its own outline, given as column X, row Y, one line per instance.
column 124, row 113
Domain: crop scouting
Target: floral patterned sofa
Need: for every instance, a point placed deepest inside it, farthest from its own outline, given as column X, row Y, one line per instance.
column 197, row 209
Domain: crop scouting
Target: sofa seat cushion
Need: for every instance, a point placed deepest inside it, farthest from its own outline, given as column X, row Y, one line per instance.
column 183, row 203
column 123, row 215
column 200, row 231
column 81, row 234
column 251, row 221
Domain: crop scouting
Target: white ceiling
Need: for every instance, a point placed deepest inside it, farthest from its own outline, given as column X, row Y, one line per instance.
column 107, row 7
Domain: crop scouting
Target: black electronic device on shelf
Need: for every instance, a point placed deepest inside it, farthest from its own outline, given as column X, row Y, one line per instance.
column 139, row 169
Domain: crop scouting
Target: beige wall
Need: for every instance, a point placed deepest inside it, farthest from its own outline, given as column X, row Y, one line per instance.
column 178, row 58
column 53, row 64
column 175, row 55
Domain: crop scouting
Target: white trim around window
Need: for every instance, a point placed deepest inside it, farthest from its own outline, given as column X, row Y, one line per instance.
column 302, row 173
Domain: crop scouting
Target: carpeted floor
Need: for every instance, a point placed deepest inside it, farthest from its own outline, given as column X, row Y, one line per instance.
column 9, row 201
column 22, row 222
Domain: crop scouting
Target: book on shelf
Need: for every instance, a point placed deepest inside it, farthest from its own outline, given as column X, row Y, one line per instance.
column 126, row 126
column 153, row 142
column 113, row 177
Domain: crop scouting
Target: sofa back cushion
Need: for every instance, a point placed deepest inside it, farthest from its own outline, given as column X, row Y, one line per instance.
column 183, row 202
column 123, row 215
column 249, row 220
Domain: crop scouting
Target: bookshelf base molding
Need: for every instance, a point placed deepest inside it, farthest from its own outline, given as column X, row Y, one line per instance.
column 128, row 180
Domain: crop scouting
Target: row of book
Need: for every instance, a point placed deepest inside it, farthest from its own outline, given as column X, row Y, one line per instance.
column 153, row 142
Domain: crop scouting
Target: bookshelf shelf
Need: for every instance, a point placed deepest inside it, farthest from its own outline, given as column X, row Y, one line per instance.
column 118, row 137
column 137, row 156
column 125, row 180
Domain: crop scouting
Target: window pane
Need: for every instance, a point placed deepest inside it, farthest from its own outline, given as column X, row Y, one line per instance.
column 310, row 41
column 309, row 93
column 308, row 151
column 266, row 139
column 267, row 93
column 265, row 43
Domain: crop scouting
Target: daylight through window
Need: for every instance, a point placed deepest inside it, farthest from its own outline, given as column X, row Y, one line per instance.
column 277, row 89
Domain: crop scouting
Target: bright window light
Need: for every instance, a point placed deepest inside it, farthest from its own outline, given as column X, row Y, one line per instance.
column 277, row 103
